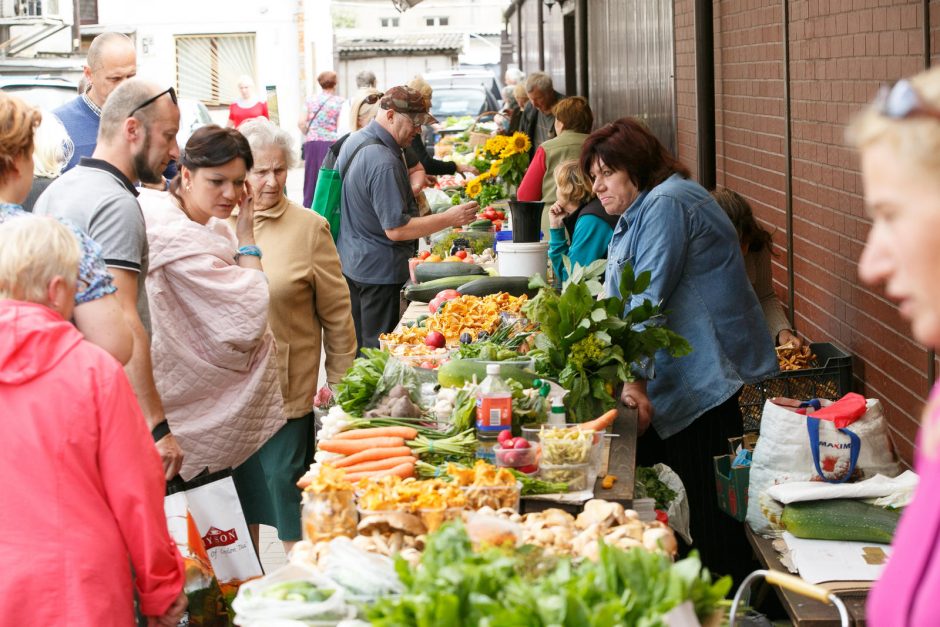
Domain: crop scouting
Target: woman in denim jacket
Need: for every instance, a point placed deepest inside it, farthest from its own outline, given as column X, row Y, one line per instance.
column 672, row 227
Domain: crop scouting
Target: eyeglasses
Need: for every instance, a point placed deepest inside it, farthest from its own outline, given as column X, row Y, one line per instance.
column 374, row 98
column 901, row 101
column 150, row 101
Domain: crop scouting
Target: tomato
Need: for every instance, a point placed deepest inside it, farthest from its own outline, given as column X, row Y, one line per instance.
column 461, row 254
column 498, row 225
column 489, row 213
column 424, row 254
column 500, row 215
column 662, row 516
column 435, row 339
column 469, row 259
column 447, row 294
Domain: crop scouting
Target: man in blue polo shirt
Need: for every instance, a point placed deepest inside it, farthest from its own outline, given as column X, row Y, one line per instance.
column 111, row 60
column 380, row 220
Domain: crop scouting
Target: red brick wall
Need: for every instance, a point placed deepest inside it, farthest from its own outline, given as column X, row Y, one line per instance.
column 840, row 51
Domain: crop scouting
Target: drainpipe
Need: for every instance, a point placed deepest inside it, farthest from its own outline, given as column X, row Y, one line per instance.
column 931, row 355
column 705, row 91
column 788, row 161
column 541, row 22
column 76, row 26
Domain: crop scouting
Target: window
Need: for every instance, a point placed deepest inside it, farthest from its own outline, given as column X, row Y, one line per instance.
column 208, row 66
column 389, row 22
column 436, row 21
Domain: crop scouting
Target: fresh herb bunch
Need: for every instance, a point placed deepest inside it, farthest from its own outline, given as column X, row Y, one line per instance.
column 649, row 485
column 355, row 390
column 457, row 586
column 589, row 345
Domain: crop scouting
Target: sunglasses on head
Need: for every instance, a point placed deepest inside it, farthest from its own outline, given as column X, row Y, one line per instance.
column 901, row 101
column 373, row 98
column 150, row 101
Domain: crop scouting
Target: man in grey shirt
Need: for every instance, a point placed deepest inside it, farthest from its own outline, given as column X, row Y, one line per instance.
column 379, row 214
column 136, row 140
column 538, row 121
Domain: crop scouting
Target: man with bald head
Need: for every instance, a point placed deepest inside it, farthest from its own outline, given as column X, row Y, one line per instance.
column 136, row 140
column 111, row 60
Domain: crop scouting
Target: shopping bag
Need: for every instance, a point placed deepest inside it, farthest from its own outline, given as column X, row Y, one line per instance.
column 817, row 440
column 327, row 198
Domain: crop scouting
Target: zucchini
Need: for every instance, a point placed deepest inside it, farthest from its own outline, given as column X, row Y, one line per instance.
column 424, row 292
column 456, row 372
column 483, row 286
column 428, row 271
column 840, row 519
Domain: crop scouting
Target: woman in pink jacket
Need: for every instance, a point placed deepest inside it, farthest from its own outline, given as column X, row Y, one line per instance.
column 82, row 501
column 899, row 140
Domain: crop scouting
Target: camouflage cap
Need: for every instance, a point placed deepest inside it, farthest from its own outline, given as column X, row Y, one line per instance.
column 409, row 102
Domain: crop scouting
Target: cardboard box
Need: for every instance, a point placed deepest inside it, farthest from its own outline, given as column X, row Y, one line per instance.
column 732, row 486
column 746, row 441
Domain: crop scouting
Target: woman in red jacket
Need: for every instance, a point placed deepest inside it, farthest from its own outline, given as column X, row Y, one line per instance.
column 82, row 501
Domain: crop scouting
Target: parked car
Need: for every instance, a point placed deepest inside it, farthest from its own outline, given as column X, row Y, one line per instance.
column 44, row 92
column 462, row 92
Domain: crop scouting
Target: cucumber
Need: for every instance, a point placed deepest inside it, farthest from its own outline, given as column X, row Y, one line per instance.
column 483, row 286
column 481, row 225
column 424, row 292
column 456, row 372
column 840, row 519
column 429, row 271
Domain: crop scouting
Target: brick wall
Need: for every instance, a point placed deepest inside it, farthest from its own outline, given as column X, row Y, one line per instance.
column 840, row 51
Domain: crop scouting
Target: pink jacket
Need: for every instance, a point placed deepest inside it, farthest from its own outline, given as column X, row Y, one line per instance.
column 82, row 482
column 214, row 360
column 907, row 593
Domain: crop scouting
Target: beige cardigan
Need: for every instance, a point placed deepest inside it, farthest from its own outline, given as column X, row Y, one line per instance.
column 309, row 301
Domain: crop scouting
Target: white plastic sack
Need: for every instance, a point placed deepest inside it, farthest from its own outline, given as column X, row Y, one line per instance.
column 678, row 510
column 783, row 453
column 252, row 609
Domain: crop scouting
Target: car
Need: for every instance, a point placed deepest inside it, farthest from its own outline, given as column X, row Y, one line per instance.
column 45, row 92
column 460, row 93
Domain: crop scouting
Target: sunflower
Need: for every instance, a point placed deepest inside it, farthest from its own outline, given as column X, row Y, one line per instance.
column 520, row 141
column 494, row 167
column 474, row 187
column 484, row 176
column 495, row 145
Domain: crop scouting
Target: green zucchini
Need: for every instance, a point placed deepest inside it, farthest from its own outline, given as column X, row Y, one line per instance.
column 840, row 519
column 456, row 372
column 424, row 292
column 428, row 271
column 483, row 286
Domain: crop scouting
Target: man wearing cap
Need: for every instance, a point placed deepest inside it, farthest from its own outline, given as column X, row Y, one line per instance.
column 379, row 215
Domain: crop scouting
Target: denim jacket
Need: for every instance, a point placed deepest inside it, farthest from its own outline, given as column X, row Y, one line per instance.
column 678, row 233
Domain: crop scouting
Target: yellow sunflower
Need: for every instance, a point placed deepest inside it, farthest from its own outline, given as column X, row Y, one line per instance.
column 508, row 151
column 484, row 176
column 474, row 187
column 494, row 167
column 495, row 145
column 520, row 141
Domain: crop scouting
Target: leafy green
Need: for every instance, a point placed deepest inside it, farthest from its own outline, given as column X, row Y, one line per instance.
column 455, row 585
column 648, row 485
column 590, row 345
column 354, row 391
column 531, row 485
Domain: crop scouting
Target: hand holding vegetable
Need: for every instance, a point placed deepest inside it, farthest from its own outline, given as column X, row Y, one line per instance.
column 460, row 215
column 634, row 395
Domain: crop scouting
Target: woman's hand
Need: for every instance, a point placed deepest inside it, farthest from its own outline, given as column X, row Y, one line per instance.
column 556, row 214
column 633, row 395
column 244, row 223
column 172, row 615
column 468, row 169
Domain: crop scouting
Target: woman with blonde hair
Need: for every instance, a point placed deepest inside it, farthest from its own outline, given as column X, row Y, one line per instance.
column 579, row 228
column 247, row 106
column 319, row 122
column 52, row 149
column 898, row 138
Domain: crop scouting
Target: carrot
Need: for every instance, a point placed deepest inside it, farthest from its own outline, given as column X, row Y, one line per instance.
column 408, row 433
column 348, row 447
column 372, row 454
column 402, row 470
column 599, row 424
column 380, row 464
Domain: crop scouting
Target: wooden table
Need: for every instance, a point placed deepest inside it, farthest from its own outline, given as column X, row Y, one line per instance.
column 802, row 610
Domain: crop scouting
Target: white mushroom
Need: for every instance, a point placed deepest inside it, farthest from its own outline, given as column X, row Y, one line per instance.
column 658, row 539
column 390, row 522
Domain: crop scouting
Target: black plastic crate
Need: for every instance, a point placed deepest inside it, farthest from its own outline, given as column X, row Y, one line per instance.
column 832, row 379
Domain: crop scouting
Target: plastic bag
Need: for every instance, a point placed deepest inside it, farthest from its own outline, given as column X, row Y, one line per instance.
column 365, row 576
column 678, row 509
column 254, row 608
column 419, row 382
column 438, row 200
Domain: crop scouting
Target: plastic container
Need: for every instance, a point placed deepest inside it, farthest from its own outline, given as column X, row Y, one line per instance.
column 831, row 380
column 523, row 259
column 328, row 515
column 524, row 460
column 497, row 496
column 526, row 220
column 575, row 475
column 494, row 405
column 645, row 509
column 526, row 363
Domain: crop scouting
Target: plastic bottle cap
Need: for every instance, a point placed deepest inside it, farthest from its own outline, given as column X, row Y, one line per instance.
column 492, row 369
column 544, row 390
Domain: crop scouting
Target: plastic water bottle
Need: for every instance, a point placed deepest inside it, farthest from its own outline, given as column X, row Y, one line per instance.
column 556, row 417
column 494, row 405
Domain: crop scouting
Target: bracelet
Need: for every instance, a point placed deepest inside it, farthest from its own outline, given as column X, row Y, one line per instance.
column 160, row 431
column 253, row 251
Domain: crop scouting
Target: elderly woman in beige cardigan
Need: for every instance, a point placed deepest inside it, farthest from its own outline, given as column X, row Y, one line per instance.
column 309, row 310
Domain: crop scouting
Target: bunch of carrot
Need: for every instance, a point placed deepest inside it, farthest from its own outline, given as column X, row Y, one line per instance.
column 373, row 452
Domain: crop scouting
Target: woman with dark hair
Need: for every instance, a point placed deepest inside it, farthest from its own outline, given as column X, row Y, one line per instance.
column 318, row 122
column 213, row 354
column 757, row 246
column 670, row 226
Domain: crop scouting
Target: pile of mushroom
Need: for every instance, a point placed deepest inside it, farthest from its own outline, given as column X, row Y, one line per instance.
column 386, row 534
column 558, row 532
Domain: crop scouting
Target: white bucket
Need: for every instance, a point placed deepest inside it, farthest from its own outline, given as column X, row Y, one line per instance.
column 523, row 259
